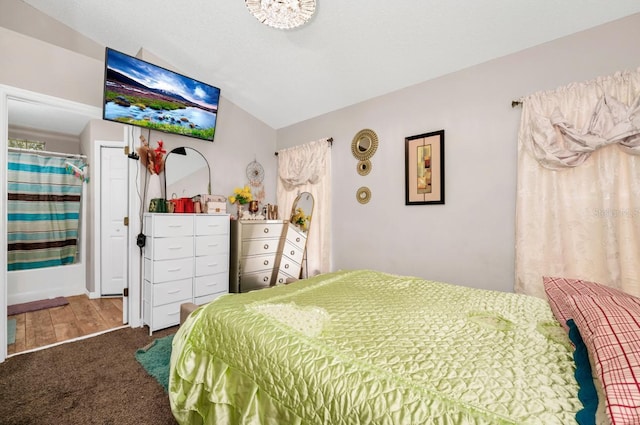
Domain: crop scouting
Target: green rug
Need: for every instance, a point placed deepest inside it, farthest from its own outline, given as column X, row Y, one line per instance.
column 11, row 331
column 155, row 359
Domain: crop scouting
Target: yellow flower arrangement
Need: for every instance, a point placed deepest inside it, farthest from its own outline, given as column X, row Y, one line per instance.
column 299, row 219
column 241, row 195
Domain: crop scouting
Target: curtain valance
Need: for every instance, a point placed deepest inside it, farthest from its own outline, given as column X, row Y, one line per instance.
column 562, row 138
column 305, row 164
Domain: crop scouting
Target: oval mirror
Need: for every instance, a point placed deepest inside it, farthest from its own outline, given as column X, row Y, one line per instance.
column 186, row 173
column 364, row 144
column 302, row 211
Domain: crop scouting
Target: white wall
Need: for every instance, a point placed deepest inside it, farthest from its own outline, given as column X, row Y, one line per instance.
column 470, row 239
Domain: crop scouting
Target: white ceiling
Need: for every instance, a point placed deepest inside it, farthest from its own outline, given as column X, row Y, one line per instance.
column 351, row 50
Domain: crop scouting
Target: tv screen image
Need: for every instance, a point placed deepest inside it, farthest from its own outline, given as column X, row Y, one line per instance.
column 139, row 93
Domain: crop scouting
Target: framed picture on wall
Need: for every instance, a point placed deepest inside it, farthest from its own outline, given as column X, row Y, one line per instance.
column 424, row 169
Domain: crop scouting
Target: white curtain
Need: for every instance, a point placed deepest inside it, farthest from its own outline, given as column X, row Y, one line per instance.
column 307, row 168
column 578, row 189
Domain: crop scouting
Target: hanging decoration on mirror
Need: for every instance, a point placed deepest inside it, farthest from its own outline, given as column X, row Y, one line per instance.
column 152, row 159
column 255, row 174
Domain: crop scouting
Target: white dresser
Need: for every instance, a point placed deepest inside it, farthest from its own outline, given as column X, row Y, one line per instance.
column 186, row 259
column 254, row 253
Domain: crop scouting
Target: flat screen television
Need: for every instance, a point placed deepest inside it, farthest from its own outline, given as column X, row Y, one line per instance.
column 146, row 95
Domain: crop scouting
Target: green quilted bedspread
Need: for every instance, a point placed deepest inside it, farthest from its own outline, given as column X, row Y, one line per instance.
column 364, row 347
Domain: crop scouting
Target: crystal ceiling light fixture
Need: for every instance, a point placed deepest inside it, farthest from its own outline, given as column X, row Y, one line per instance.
column 282, row 14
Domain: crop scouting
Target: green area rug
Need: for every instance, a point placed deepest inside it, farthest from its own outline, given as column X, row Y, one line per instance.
column 11, row 331
column 155, row 359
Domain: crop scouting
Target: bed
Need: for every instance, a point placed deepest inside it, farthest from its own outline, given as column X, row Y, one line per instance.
column 365, row 347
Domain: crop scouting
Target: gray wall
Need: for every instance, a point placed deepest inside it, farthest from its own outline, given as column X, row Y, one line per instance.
column 43, row 56
column 470, row 239
column 48, row 57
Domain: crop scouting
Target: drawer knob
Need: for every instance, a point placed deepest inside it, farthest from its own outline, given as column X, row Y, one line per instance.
column 298, row 239
column 265, row 279
column 266, row 230
column 286, row 266
column 293, row 253
column 266, row 246
column 266, row 262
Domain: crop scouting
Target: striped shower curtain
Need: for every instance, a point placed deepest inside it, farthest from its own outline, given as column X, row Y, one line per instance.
column 44, row 195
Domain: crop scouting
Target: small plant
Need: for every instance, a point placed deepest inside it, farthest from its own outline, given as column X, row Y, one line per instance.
column 241, row 195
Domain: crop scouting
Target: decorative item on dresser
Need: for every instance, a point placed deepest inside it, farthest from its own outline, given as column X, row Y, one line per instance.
column 186, row 259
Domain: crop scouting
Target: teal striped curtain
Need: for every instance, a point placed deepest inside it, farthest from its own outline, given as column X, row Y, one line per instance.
column 44, row 204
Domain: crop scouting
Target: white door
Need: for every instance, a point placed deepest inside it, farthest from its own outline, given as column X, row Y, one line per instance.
column 113, row 210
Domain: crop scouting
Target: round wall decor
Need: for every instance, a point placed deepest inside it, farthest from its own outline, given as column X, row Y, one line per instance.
column 364, row 167
column 255, row 173
column 364, row 144
column 363, row 195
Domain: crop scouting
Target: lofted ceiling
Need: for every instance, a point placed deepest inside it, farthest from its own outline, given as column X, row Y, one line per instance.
column 350, row 51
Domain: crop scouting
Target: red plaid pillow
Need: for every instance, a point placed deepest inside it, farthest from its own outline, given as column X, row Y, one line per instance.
column 559, row 289
column 610, row 328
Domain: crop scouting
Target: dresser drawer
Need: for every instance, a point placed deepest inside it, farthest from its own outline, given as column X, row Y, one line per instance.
column 289, row 266
column 213, row 244
column 293, row 252
column 261, row 230
column 169, row 248
column 284, row 277
column 296, row 236
column 208, row 298
column 260, row 246
column 166, row 270
column 253, row 281
column 212, row 224
column 212, row 264
column 169, row 225
column 257, row 262
column 211, row 284
column 164, row 316
column 168, row 292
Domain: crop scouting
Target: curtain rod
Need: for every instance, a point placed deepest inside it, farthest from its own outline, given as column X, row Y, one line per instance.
column 330, row 140
column 62, row 154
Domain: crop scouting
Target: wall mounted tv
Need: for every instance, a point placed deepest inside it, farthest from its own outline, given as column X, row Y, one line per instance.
column 146, row 95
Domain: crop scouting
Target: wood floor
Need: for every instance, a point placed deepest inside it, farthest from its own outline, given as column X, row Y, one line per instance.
column 82, row 316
